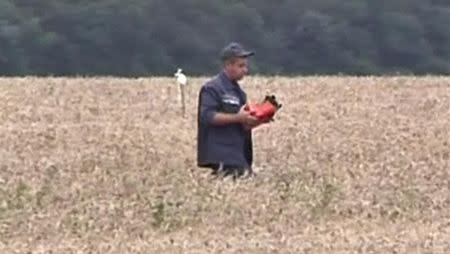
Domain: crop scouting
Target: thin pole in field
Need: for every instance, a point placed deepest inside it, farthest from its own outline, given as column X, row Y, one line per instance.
column 183, row 99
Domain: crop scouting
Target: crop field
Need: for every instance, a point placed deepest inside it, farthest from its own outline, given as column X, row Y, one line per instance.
column 108, row 165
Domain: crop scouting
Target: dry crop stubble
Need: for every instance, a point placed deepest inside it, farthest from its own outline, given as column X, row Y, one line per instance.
column 350, row 165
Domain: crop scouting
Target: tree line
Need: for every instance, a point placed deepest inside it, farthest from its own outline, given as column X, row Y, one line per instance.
column 290, row 37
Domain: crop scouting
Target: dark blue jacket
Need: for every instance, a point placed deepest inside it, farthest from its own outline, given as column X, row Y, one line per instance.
column 230, row 144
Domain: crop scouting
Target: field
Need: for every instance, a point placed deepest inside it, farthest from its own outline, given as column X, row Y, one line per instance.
column 107, row 165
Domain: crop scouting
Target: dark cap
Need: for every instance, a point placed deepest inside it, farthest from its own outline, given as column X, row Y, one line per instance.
column 234, row 49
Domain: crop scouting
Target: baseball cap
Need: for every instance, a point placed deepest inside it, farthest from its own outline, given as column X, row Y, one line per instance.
column 235, row 49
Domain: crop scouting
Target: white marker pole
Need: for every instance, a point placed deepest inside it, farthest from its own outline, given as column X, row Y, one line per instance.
column 183, row 99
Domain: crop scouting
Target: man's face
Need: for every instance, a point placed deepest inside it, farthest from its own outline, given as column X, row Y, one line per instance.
column 237, row 68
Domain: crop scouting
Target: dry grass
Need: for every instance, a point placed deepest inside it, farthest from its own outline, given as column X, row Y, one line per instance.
column 351, row 165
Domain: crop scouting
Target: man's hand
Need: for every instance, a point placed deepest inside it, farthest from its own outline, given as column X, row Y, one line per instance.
column 254, row 122
column 242, row 117
column 246, row 118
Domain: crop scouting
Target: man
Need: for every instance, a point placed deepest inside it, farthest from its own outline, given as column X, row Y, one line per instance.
column 224, row 138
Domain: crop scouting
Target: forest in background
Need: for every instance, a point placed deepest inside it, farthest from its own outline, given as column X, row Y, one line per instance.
column 290, row 37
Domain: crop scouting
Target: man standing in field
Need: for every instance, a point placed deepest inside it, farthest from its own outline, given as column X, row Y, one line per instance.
column 224, row 137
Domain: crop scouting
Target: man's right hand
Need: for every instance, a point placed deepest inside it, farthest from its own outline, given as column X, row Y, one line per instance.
column 246, row 118
column 243, row 117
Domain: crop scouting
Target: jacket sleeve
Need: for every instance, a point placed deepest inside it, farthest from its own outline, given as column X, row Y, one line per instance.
column 209, row 104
